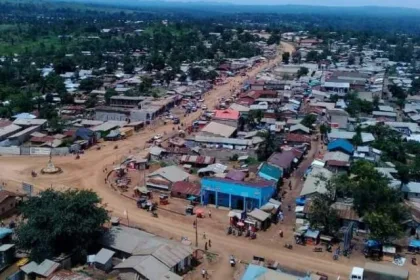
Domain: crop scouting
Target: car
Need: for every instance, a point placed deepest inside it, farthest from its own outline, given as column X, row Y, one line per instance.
column 176, row 121
column 194, row 109
column 201, row 100
column 204, row 107
column 157, row 136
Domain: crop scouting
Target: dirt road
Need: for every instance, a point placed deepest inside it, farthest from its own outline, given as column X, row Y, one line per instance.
column 87, row 172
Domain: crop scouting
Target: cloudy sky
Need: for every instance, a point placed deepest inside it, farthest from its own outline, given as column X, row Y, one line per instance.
column 389, row 3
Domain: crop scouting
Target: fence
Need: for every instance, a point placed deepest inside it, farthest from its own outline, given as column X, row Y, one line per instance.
column 33, row 151
column 10, row 150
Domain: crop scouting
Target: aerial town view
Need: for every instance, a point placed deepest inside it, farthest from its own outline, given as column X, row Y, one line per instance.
column 166, row 140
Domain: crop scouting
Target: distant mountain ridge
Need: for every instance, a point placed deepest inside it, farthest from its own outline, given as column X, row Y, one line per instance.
column 223, row 7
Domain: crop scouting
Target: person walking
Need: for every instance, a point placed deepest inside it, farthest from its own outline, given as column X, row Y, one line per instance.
column 205, row 246
column 204, row 235
column 203, row 273
column 209, row 213
column 210, row 243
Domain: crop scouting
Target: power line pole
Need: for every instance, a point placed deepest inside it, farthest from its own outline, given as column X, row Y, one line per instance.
column 196, row 231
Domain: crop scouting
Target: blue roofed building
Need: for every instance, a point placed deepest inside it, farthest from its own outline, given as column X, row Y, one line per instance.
column 270, row 172
column 341, row 145
column 256, row 272
column 236, row 194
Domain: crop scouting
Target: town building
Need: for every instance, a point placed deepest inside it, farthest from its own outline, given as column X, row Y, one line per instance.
column 147, row 256
column 165, row 177
column 244, row 195
column 227, row 117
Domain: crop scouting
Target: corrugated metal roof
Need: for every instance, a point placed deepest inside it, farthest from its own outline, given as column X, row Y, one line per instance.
column 187, row 188
column 219, row 129
column 197, row 159
column 6, row 130
column 46, row 268
column 170, row 256
column 103, row 256
column 221, row 140
column 259, row 214
column 171, row 173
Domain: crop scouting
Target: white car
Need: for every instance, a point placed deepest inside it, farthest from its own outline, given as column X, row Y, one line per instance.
column 204, row 107
column 157, row 137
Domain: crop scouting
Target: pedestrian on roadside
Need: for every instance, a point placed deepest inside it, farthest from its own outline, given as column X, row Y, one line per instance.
column 204, row 235
column 209, row 213
column 203, row 273
column 210, row 243
column 194, row 224
column 205, row 246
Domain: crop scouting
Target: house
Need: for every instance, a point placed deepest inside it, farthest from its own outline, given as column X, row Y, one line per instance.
column 37, row 271
column 185, row 189
column 8, row 130
column 197, row 161
column 257, row 272
column 236, row 175
column 367, row 153
column 316, row 181
column 270, row 172
column 7, row 255
column 294, row 139
column 103, row 260
column 85, row 134
column 218, row 130
column 22, row 136
column 244, row 195
column 243, row 110
column 348, row 135
column 388, row 116
column 30, row 122
column 338, row 118
column 300, row 129
column 406, row 128
column 259, row 219
column 411, row 191
column 337, row 87
column 286, row 160
column 165, row 177
column 8, row 202
column 347, row 214
column 341, row 145
column 337, row 161
column 147, row 256
column 156, row 153
column 228, row 117
column 106, row 128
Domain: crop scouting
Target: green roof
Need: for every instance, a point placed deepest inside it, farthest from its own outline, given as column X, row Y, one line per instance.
column 270, row 171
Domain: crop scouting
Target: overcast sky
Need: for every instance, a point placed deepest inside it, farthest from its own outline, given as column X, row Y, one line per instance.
column 389, row 3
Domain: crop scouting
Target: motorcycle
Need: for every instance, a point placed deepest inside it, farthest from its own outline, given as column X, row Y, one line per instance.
column 288, row 246
column 232, row 261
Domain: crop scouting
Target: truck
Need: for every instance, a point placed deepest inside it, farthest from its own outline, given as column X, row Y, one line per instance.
column 375, row 271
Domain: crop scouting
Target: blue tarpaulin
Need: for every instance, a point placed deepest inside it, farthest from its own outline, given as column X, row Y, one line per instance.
column 192, row 198
column 5, row 232
column 300, row 201
column 415, row 243
column 372, row 243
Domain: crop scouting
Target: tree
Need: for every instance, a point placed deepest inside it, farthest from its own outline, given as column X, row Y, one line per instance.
column 397, row 92
column 322, row 215
column 266, row 148
column 129, row 68
column 60, row 222
column 382, row 227
column 351, row 60
column 285, row 57
column 90, row 84
column 312, row 56
column 309, row 120
column 324, row 129
column 303, row 71
column 108, row 94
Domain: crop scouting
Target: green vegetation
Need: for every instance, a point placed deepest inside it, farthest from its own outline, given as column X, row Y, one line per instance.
column 374, row 200
column 60, row 222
